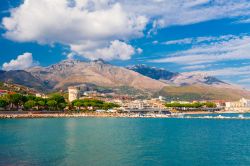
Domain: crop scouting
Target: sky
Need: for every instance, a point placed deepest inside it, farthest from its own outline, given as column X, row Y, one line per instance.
column 209, row 37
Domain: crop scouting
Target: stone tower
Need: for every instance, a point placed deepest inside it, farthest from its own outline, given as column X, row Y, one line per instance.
column 74, row 93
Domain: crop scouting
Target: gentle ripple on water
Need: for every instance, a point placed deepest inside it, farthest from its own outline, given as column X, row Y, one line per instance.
column 124, row 141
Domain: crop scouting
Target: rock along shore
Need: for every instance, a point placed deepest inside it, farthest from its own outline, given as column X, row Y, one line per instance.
column 79, row 115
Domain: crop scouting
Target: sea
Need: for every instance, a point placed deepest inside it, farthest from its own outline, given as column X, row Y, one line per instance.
column 125, row 141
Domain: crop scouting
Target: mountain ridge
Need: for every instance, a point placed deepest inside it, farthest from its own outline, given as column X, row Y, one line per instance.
column 147, row 80
column 98, row 72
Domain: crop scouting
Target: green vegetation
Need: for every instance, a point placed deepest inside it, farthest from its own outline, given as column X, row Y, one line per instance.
column 29, row 102
column 55, row 102
column 191, row 105
column 93, row 103
column 3, row 103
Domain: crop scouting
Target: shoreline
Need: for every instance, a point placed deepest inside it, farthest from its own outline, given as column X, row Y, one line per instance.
column 79, row 115
column 34, row 115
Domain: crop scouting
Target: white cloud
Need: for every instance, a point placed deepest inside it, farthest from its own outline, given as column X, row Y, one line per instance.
column 180, row 41
column 183, row 12
column 228, row 71
column 116, row 50
column 244, row 21
column 199, row 40
column 88, row 25
column 84, row 25
column 155, row 42
column 222, row 48
column 139, row 50
column 245, row 80
column 195, row 67
column 71, row 55
column 23, row 61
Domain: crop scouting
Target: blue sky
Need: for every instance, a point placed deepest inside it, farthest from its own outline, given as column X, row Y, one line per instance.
column 200, row 36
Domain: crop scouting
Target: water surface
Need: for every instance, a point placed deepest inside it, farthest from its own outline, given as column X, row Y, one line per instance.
column 124, row 141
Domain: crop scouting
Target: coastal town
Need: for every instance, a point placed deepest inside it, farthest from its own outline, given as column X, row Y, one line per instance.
column 81, row 102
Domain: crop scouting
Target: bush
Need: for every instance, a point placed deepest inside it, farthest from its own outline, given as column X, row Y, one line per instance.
column 3, row 103
column 29, row 104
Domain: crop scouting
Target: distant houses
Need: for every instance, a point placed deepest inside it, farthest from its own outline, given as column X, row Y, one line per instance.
column 3, row 92
column 242, row 105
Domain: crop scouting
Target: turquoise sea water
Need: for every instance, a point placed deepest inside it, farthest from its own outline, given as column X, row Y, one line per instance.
column 124, row 141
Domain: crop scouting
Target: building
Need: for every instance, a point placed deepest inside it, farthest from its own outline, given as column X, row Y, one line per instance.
column 74, row 93
column 241, row 105
column 144, row 104
column 41, row 95
column 3, row 92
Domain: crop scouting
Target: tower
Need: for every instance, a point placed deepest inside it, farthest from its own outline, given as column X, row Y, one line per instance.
column 74, row 93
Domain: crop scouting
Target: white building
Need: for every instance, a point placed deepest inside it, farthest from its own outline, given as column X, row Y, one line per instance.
column 241, row 105
column 41, row 95
column 74, row 93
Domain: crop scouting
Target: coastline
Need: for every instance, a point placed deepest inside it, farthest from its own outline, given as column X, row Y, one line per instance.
column 80, row 115
column 34, row 115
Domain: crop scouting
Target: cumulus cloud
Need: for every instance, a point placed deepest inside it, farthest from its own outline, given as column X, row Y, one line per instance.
column 90, row 25
column 116, row 50
column 223, row 48
column 84, row 25
column 23, row 61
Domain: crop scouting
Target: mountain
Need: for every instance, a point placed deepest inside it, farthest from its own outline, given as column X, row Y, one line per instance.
column 177, row 79
column 11, row 87
column 153, row 72
column 73, row 72
column 191, row 86
column 139, row 80
column 24, row 78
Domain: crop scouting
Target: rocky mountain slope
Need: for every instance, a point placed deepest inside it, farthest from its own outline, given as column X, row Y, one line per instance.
column 191, row 86
column 178, row 79
column 24, row 78
column 153, row 72
column 140, row 79
column 73, row 72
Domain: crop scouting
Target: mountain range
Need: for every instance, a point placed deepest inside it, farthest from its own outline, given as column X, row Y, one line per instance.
column 141, row 79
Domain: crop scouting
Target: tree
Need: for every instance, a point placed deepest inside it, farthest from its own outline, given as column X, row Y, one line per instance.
column 16, row 99
column 60, row 101
column 52, row 104
column 40, row 103
column 62, row 105
column 96, row 104
column 58, row 98
column 29, row 104
column 107, row 106
column 31, row 97
column 78, row 104
column 3, row 103
column 210, row 105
